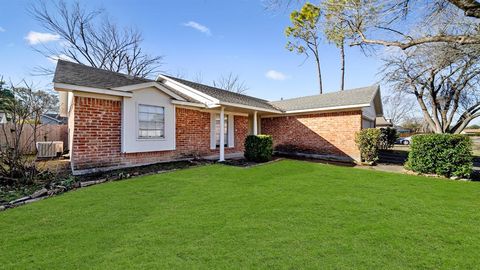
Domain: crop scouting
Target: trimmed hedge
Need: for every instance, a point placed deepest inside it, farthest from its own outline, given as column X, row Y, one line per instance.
column 258, row 148
column 388, row 137
column 368, row 141
column 442, row 154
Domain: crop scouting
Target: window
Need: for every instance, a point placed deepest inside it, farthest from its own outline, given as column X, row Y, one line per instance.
column 217, row 130
column 151, row 122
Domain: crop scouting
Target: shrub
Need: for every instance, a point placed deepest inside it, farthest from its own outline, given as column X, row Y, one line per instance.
column 368, row 141
column 388, row 137
column 442, row 154
column 259, row 148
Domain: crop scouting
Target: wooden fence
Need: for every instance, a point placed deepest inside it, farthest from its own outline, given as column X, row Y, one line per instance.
column 44, row 133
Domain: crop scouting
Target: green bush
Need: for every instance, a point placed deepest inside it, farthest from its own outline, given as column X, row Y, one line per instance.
column 442, row 154
column 259, row 148
column 388, row 137
column 368, row 142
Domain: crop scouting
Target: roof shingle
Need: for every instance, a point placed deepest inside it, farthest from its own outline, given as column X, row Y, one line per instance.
column 82, row 75
column 226, row 96
column 351, row 97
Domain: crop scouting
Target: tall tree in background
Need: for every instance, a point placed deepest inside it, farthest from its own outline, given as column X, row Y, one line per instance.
column 89, row 37
column 336, row 30
column 304, row 34
column 231, row 82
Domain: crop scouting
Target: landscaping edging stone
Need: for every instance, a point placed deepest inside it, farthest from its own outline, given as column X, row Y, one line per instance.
column 44, row 192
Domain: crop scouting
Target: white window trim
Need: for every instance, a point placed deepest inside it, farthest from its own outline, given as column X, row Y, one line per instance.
column 138, row 138
column 230, row 132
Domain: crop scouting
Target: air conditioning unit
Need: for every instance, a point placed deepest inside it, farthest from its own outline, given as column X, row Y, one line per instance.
column 49, row 149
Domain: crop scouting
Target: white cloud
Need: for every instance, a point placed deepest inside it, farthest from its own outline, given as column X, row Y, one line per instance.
column 37, row 37
column 54, row 58
column 276, row 75
column 2, row 29
column 199, row 27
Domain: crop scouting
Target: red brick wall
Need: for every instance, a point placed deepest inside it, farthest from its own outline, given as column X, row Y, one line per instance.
column 321, row 133
column 96, row 136
column 97, row 131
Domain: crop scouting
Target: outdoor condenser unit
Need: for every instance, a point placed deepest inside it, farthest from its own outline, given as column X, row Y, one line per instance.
column 49, row 149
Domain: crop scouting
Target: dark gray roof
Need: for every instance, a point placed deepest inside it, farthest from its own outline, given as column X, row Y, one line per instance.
column 351, row 97
column 226, row 96
column 82, row 75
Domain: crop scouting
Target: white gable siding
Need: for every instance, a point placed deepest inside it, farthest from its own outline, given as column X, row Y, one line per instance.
column 130, row 141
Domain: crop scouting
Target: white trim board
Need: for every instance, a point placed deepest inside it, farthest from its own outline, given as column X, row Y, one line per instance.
column 70, row 87
column 320, row 110
column 135, row 87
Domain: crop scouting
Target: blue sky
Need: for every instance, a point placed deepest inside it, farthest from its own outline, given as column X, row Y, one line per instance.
column 204, row 36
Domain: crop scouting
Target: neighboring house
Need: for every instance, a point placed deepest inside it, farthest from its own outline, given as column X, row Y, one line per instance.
column 382, row 122
column 3, row 118
column 404, row 132
column 53, row 119
column 118, row 121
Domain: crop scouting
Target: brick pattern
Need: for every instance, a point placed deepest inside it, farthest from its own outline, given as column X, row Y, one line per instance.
column 321, row 133
column 97, row 136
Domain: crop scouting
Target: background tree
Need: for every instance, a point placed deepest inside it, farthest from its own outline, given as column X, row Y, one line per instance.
column 304, row 33
column 444, row 80
column 398, row 108
column 406, row 23
column 336, row 30
column 89, row 37
column 24, row 109
column 231, row 82
column 6, row 96
column 416, row 124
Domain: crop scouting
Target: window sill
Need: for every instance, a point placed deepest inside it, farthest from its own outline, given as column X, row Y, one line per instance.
column 151, row 139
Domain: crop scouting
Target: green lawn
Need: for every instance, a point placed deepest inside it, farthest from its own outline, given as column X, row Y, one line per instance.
column 284, row 215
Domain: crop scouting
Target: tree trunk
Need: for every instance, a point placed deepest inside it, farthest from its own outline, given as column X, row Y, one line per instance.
column 342, row 68
column 317, row 59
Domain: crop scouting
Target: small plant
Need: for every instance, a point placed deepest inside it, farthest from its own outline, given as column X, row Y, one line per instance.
column 442, row 154
column 368, row 141
column 258, row 148
column 388, row 137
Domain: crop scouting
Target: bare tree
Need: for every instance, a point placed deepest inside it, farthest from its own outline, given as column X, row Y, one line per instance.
column 382, row 22
column 89, row 37
column 24, row 108
column 198, row 77
column 443, row 79
column 404, row 23
column 231, row 83
column 398, row 107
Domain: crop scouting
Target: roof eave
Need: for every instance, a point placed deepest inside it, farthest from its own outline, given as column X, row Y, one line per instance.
column 331, row 108
column 65, row 87
column 254, row 108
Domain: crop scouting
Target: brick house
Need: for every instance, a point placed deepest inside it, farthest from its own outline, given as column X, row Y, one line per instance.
column 119, row 121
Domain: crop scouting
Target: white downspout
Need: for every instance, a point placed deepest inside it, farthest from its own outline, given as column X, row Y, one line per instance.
column 222, row 134
column 255, row 125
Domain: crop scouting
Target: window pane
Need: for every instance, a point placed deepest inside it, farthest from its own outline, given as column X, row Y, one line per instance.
column 151, row 121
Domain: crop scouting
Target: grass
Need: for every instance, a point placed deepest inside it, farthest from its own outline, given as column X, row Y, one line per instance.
column 284, row 215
